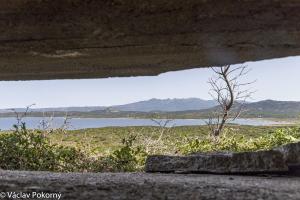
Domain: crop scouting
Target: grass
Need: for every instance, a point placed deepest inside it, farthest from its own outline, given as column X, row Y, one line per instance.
column 103, row 141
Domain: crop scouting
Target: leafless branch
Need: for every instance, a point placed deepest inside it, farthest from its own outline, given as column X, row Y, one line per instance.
column 21, row 115
column 163, row 125
column 229, row 93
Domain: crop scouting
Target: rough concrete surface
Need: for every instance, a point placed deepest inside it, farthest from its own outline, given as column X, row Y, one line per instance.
column 291, row 153
column 53, row 39
column 283, row 159
column 221, row 163
column 141, row 186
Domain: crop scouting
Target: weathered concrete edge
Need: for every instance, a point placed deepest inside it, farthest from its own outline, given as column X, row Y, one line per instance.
column 151, row 186
column 284, row 159
column 57, row 39
column 235, row 163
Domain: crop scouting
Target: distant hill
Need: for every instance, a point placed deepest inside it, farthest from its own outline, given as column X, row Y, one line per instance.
column 272, row 108
column 167, row 105
column 171, row 108
column 141, row 106
column 260, row 109
column 58, row 109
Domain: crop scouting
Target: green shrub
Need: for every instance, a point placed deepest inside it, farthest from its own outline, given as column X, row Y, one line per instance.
column 278, row 137
column 128, row 158
column 231, row 141
column 25, row 149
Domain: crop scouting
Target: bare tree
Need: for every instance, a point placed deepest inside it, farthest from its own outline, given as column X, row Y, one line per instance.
column 230, row 94
column 46, row 123
column 155, row 140
column 21, row 115
column 163, row 125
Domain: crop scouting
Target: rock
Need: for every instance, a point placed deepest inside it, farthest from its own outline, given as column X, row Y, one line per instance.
column 285, row 158
column 220, row 163
column 291, row 153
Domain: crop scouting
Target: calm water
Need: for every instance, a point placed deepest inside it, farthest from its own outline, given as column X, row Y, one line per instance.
column 81, row 123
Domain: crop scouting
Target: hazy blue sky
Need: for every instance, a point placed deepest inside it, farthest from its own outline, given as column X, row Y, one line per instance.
column 277, row 79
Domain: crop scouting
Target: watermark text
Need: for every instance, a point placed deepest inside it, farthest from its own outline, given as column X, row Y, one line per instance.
column 30, row 195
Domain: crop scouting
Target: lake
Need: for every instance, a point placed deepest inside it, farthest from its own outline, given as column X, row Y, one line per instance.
column 82, row 123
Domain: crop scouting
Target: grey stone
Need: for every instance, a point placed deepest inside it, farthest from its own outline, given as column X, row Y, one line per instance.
column 291, row 153
column 141, row 186
column 222, row 163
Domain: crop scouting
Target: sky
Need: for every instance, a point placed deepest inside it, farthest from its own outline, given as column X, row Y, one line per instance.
column 277, row 79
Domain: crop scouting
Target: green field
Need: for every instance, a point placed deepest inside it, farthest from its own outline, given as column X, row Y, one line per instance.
column 103, row 141
column 123, row 149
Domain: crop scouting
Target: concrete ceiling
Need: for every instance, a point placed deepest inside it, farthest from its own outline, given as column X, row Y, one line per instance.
column 54, row 39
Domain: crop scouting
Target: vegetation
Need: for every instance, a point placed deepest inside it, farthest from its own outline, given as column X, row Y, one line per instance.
column 231, row 141
column 125, row 149
column 25, row 149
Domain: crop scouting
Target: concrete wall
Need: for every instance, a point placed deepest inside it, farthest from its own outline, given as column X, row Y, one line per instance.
column 52, row 39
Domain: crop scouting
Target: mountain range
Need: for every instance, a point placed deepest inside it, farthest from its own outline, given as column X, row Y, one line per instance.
column 172, row 108
column 167, row 105
column 151, row 105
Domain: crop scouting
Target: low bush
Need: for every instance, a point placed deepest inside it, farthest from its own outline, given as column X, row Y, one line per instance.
column 25, row 149
column 128, row 158
column 231, row 141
